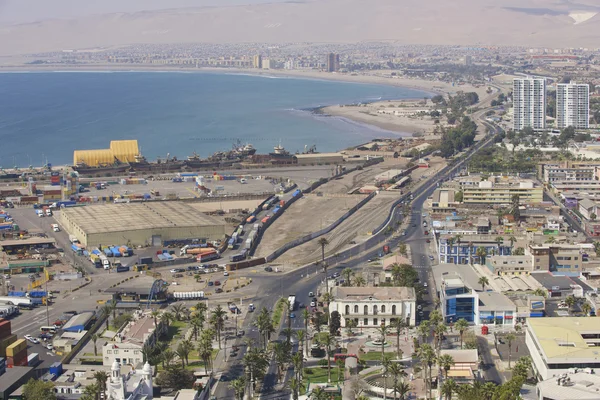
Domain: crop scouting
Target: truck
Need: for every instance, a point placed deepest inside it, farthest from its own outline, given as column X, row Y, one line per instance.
column 104, row 261
column 55, row 228
column 213, row 255
column 39, row 213
column 48, row 212
column 77, row 249
column 8, row 311
column 122, row 268
column 250, row 219
column 16, row 301
column 73, row 239
column 292, row 301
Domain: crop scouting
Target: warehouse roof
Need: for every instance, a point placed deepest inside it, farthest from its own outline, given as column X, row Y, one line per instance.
column 27, row 242
column 138, row 216
column 79, row 321
column 318, row 155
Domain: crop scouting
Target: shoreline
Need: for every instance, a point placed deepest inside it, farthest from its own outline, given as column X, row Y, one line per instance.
column 389, row 130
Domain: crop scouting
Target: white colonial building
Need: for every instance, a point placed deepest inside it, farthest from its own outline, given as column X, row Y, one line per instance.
column 136, row 385
column 374, row 306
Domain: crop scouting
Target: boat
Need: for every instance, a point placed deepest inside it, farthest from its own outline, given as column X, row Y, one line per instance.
column 141, row 164
column 195, row 162
column 281, row 156
column 117, row 167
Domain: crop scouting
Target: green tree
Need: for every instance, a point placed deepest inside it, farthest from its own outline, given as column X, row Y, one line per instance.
column 281, row 354
column 461, row 326
column 446, row 361
column 402, row 248
column 323, row 242
column 176, row 378
column 38, row 390
column 509, row 339
column 179, row 311
column 94, row 339
column 427, row 356
column 217, row 319
column 570, row 302
column 586, row 308
column 449, row 387
column 167, row 358
column 539, row 292
column 238, row 385
column 396, row 371
column 359, row 281
column 335, row 323
column 347, row 274
column 328, row 342
column 398, row 325
column 383, row 330
column 483, row 281
column 458, row 196
column 101, row 378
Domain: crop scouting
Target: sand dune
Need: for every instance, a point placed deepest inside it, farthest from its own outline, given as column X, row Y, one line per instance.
column 523, row 22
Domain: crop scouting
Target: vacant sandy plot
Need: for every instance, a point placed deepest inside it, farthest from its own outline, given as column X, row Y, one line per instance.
column 357, row 228
column 227, row 206
column 309, row 214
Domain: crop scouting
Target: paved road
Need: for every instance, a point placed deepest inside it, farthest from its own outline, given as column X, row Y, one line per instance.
column 567, row 214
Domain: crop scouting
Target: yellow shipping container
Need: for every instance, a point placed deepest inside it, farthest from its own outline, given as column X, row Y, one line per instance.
column 16, row 348
column 4, row 343
column 122, row 150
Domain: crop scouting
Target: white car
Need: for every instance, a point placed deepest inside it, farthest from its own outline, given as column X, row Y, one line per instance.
column 174, row 271
column 225, row 273
column 313, row 304
column 50, row 347
column 563, row 306
column 424, row 284
column 28, row 337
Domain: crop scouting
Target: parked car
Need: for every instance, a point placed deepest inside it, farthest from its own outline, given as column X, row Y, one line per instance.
column 210, row 283
column 217, row 283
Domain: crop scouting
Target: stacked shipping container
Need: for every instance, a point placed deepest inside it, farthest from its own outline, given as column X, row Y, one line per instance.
column 16, row 354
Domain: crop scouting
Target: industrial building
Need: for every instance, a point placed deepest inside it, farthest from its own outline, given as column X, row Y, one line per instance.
column 319, row 158
column 140, row 224
column 122, row 150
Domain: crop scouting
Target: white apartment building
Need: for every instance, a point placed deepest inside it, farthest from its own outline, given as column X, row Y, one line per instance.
column 126, row 346
column 372, row 307
column 573, row 105
column 529, row 103
column 558, row 344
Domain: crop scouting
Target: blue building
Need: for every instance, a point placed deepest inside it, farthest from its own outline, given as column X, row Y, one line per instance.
column 458, row 300
column 463, row 249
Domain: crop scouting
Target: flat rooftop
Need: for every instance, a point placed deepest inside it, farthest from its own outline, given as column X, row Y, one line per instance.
column 27, row 242
column 553, row 333
column 138, row 216
column 379, row 293
column 549, row 281
column 449, row 272
column 582, row 386
column 136, row 331
column 492, row 301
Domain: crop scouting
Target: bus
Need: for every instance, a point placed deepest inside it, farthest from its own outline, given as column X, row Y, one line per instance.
column 341, row 356
column 48, row 329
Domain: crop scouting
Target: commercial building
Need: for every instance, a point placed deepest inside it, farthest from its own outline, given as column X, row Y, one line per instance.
column 557, row 344
column 510, row 265
column 495, row 309
column 500, row 190
column 573, row 105
column 374, row 306
column 583, row 384
column 466, row 365
column 443, row 200
column 458, row 301
column 463, row 250
column 558, row 286
column 140, row 224
column 588, row 208
column 560, row 259
column 557, row 173
column 529, row 103
column 126, row 346
column 120, row 150
column 333, row 62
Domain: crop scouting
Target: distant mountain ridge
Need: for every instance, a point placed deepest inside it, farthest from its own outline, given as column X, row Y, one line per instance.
column 525, row 23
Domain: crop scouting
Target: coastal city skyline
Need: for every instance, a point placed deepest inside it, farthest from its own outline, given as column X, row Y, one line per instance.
column 299, row 200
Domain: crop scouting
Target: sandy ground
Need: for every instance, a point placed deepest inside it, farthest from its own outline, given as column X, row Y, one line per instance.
column 309, row 214
column 356, row 229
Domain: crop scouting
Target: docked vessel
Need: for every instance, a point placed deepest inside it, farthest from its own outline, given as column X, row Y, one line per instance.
column 168, row 165
column 101, row 169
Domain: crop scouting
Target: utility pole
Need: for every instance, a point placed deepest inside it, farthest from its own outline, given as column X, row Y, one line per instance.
column 47, row 309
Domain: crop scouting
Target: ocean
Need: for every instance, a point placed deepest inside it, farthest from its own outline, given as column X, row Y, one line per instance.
column 45, row 116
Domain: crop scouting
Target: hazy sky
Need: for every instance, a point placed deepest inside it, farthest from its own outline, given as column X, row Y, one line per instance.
column 17, row 11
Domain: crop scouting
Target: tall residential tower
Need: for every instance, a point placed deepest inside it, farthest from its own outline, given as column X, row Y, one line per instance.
column 529, row 103
column 573, row 105
column 333, row 62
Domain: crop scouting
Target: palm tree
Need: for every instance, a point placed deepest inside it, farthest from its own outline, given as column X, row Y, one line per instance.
column 449, row 387
column 402, row 388
column 306, row 317
column 106, row 309
column 481, row 252
column 398, row 324
column 324, row 242
column 423, row 330
column 586, row 308
column 300, row 335
column 183, row 351
column 217, row 319
column 238, row 385
column 488, row 390
column 167, row 318
column 294, row 386
column 101, row 378
column 509, row 339
column 167, row 357
column 155, row 314
column 385, row 363
column 461, row 326
column 340, row 365
column 347, row 274
column 446, row 361
column 328, row 341
column 499, row 241
column 396, row 370
column 439, row 331
column 483, row 281
column 179, row 310
column 282, row 356
column 512, row 241
column 383, row 330
column 427, row 356
column 396, row 272
column 570, row 302
column 359, row 281
column 551, row 240
column 196, row 323
column 540, row 292
column 94, row 339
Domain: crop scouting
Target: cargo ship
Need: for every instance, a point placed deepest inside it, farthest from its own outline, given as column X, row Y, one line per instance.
column 102, row 169
column 168, row 165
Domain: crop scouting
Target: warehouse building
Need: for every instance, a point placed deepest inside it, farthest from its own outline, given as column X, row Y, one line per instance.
column 140, row 224
column 122, row 150
column 319, row 158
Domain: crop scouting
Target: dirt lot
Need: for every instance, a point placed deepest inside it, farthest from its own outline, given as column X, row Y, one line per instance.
column 356, row 229
column 306, row 215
